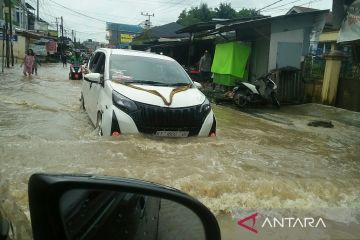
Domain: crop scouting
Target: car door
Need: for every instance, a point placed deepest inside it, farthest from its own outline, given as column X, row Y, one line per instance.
column 95, row 89
column 85, row 90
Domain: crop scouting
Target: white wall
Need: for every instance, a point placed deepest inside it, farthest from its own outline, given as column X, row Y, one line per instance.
column 294, row 29
column 19, row 48
column 294, row 36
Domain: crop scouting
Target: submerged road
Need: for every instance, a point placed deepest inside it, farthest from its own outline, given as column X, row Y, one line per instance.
column 260, row 159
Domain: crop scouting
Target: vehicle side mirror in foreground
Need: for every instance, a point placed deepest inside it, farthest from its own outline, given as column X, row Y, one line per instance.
column 92, row 77
column 87, row 207
column 198, row 85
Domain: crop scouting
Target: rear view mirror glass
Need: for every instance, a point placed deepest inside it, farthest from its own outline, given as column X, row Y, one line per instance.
column 100, row 214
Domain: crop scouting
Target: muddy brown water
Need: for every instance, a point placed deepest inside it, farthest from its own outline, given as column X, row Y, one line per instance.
column 260, row 159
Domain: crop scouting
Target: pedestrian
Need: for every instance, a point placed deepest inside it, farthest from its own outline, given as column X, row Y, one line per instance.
column 205, row 66
column 63, row 59
column 28, row 62
column 35, row 65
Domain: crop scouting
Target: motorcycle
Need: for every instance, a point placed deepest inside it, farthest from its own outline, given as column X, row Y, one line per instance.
column 76, row 72
column 67, row 207
column 247, row 93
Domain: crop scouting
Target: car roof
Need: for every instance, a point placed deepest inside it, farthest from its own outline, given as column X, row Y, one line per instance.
column 128, row 52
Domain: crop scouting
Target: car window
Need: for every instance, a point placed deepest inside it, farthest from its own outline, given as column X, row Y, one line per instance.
column 147, row 69
column 100, row 66
column 94, row 61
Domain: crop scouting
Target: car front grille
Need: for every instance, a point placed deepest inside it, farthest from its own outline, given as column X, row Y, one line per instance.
column 150, row 119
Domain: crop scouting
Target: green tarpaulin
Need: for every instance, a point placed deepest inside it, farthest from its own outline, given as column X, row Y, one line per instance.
column 230, row 61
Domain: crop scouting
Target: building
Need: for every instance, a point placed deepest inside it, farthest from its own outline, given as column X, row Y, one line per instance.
column 278, row 44
column 28, row 32
column 91, row 45
column 19, row 14
column 121, row 35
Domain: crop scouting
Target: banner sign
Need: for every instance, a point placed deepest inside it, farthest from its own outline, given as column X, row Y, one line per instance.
column 350, row 29
column 126, row 38
column 51, row 47
column 41, row 26
column 14, row 37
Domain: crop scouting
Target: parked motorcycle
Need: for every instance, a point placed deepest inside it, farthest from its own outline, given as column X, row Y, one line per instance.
column 247, row 93
column 76, row 72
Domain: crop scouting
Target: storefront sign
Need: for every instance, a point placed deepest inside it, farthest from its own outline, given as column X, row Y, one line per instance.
column 14, row 37
column 126, row 38
column 41, row 26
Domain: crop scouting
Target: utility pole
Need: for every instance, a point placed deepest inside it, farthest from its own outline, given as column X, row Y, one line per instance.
column 3, row 50
column 57, row 27
column 37, row 10
column 147, row 22
column 62, row 36
column 11, row 34
column 7, row 35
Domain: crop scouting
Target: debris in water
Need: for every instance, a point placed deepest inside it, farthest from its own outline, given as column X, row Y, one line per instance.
column 324, row 124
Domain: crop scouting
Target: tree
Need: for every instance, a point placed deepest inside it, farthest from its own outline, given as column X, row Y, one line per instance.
column 195, row 15
column 225, row 11
column 248, row 12
column 204, row 14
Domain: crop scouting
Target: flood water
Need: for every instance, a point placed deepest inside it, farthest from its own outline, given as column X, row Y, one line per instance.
column 262, row 158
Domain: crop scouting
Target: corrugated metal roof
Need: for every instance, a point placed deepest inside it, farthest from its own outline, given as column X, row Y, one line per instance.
column 262, row 21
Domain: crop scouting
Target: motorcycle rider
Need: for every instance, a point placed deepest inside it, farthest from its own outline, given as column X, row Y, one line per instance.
column 76, row 58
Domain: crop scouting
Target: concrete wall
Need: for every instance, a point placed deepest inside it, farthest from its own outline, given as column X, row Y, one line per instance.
column 294, row 36
column 259, row 57
column 19, row 48
column 292, row 30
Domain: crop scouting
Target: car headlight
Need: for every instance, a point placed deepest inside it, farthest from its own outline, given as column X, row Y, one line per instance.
column 123, row 102
column 205, row 107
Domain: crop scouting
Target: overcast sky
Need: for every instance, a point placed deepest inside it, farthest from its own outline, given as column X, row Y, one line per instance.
column 129, row 11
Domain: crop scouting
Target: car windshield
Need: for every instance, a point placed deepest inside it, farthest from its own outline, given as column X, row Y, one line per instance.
column 146, row 70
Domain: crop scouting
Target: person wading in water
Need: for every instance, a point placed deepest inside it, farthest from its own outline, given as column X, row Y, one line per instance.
column 28, row 62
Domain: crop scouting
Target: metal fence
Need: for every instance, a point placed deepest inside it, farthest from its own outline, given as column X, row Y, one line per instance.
column 290, row 85
column 349, row 70
column 314, row 68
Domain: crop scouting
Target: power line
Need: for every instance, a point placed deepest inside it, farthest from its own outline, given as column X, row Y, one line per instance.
column 270, row 5
column 269, row 9
column 69, row 9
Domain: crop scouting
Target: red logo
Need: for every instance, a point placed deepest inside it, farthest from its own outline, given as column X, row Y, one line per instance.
column 242, row 221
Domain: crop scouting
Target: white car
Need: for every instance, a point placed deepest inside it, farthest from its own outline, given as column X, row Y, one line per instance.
column 127, row 92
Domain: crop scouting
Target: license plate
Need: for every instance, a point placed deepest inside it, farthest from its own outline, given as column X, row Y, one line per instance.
column 172, row 133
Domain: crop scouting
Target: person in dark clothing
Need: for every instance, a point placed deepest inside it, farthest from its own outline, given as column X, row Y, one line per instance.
column 36, row 64
column 205, row 66
column 64, row 60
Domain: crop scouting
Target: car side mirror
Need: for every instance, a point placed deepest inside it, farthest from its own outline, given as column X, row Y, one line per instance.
column 197, row 84
column 88, row 207
column 93, row 77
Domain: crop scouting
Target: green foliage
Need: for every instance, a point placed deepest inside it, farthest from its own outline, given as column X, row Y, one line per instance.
column 204, row 14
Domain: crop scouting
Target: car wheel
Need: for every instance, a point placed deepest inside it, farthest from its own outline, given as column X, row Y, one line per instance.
column 240, row 99
column 99, row 124
column 82, row 103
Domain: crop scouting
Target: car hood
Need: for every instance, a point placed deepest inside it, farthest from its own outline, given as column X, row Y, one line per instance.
column 187, row 98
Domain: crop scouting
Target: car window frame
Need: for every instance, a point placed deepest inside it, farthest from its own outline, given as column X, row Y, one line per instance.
column 100, row 62
column 94, row 62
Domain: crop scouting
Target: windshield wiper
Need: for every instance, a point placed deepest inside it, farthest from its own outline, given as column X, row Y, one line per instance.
column 179, row 84
column 146, row 82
